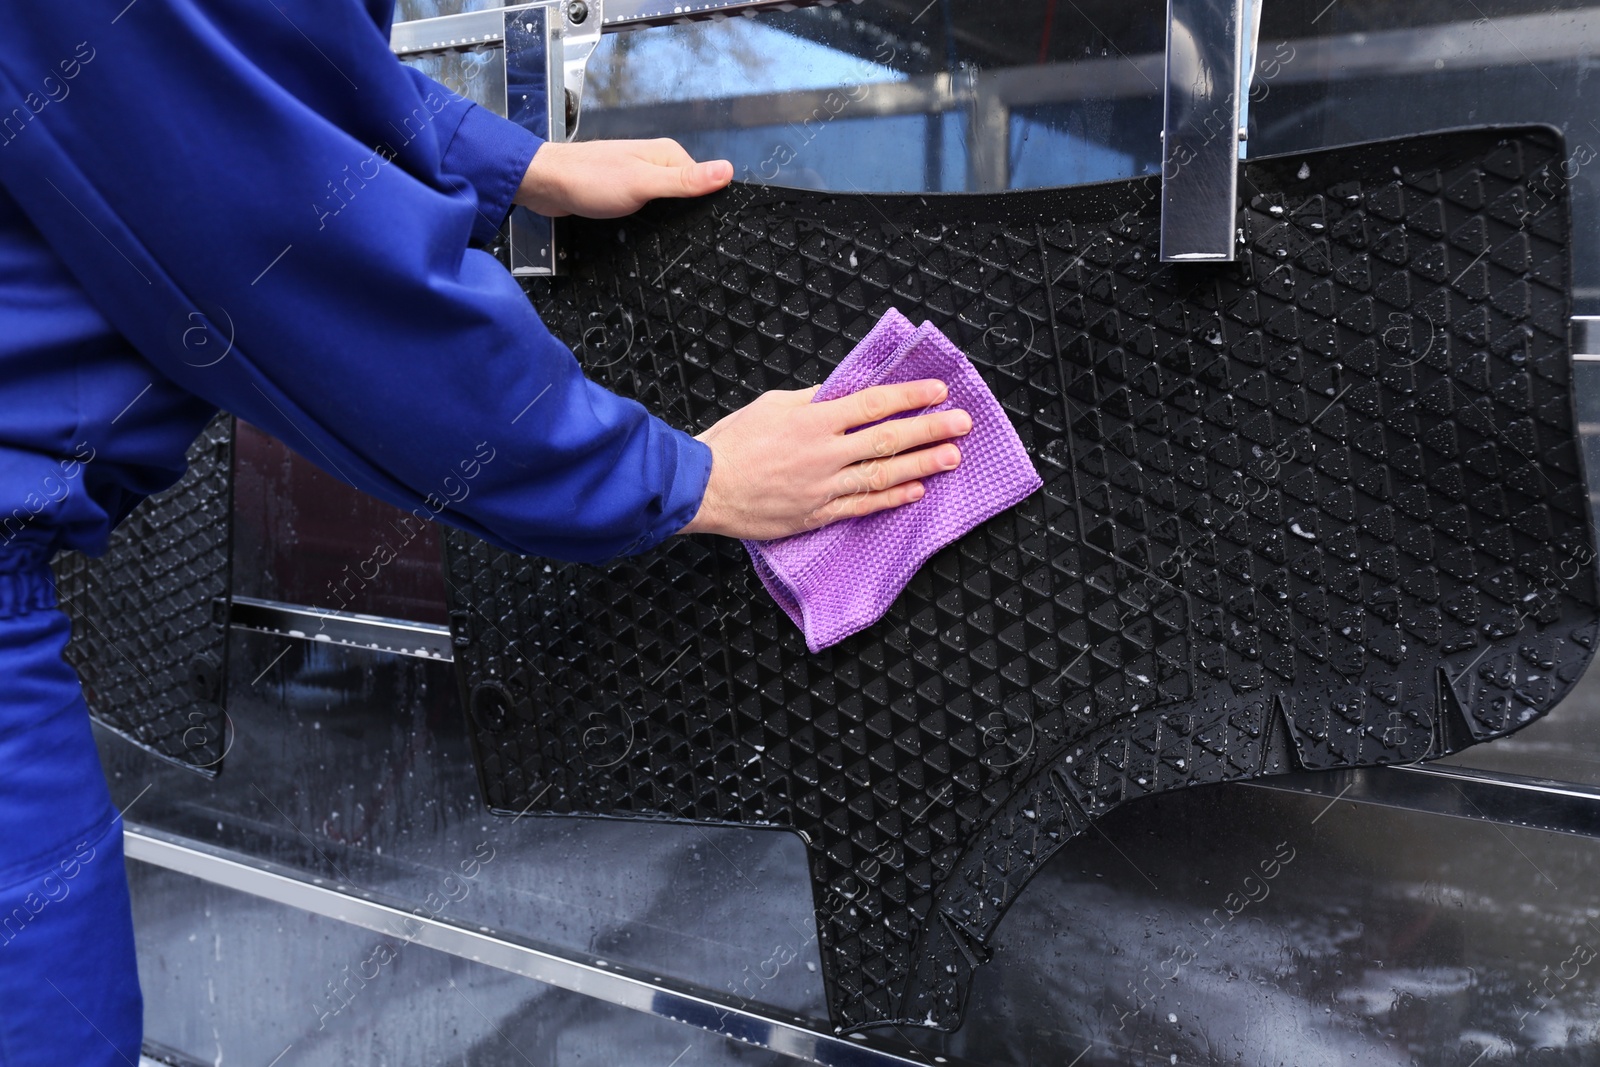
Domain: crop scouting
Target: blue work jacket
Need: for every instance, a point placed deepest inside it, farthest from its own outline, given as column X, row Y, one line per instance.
column 253, row 205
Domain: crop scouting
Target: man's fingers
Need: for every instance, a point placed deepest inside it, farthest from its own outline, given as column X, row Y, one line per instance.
column 882, row 401
column 859, row 504
column 876, row 475
column 901, row 435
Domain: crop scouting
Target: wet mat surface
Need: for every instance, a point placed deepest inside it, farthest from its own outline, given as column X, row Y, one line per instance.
column 145, row 639
column 1319, row 508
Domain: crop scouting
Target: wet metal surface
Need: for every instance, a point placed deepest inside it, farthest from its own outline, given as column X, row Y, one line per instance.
column 400, row 927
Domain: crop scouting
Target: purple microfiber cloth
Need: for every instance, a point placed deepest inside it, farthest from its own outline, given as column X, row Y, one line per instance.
column 841, row 578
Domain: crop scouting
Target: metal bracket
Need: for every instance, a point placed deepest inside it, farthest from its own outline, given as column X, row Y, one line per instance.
column 546, row 44
column 532, row 56
column 1210, row 62
column 1586, row 337
column 1247, row 70
column 583, row 24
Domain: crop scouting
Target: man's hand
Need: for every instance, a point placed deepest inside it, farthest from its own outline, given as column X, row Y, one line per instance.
column 782, row 464
column 609, row 179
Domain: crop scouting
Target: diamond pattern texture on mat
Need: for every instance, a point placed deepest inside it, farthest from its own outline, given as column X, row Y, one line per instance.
column 1318, row 508
column 146, row 641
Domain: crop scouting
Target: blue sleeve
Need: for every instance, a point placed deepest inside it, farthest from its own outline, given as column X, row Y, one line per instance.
column 274, row 168
column 488, row 152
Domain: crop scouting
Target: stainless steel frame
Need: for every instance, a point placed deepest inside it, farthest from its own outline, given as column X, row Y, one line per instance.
column 557, row 37
column 1208, row 69
column 420, row 639
column 551, row 39
column 1461, row 792
column 600, row 979
column 1508, row 42
column 473, row 28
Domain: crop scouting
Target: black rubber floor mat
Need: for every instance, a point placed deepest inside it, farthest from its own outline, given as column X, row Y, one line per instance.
column 149, row 639
column 1319, row 508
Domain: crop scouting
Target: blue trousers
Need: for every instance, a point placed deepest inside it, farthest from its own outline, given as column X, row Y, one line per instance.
column 69, row 988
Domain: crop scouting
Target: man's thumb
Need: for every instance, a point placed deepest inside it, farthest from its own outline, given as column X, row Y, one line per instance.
column 707, row 177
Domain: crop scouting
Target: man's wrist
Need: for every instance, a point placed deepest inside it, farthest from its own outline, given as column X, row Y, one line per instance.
column 705, row 517
column 536, row 192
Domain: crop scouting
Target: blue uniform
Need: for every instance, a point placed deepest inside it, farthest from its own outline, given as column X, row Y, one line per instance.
column 254, row 206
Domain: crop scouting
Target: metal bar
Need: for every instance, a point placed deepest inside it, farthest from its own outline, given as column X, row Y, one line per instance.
column 155, row 1054
column 1093, row 79
column 612, row 983
column 1471, row 44
column 633, row 14
column 988, row 139
column 1458, row 792
column 1247, row 69
column 471, row 29
column 1200, row 130
column 372, row 632
column 921, row 95
column 1508, row 41
column 1586, row 336
column 1452, row 46
column 1458, row 47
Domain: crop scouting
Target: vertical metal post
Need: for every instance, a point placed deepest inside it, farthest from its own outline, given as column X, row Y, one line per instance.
column 536, row 101
column 988, row 135
column 1247, row 69
column 1201, row 129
